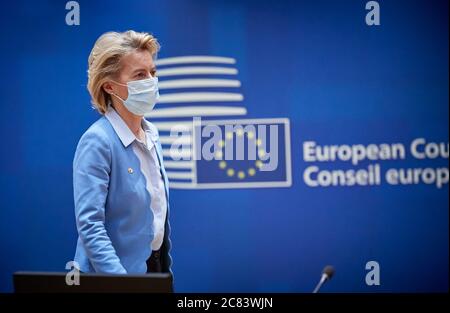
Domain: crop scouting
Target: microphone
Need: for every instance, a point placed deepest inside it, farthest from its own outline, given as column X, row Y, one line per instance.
column 327, row 273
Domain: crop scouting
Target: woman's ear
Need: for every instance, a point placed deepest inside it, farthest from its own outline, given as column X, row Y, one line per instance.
column 107, row 87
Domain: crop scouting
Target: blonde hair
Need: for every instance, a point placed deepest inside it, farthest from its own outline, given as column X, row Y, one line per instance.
column 104, row 61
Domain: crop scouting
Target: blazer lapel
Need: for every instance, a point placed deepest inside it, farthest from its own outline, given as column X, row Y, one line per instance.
column 161, row 164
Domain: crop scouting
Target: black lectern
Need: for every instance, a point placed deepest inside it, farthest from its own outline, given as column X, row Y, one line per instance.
column 55, row 282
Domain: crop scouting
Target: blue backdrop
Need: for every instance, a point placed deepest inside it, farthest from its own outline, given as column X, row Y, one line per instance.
column 316, row 63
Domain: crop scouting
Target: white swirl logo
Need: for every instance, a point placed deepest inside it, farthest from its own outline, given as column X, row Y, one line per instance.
column 203, row 152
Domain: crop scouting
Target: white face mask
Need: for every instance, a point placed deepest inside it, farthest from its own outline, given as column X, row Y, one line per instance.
column 142, row 95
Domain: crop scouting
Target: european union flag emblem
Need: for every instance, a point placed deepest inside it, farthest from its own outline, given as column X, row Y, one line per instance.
column 242, row 153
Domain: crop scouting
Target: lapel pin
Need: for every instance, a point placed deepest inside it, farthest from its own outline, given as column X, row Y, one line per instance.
column 130, row 170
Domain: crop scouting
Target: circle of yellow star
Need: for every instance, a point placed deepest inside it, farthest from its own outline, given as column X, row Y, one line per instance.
column 231, row 171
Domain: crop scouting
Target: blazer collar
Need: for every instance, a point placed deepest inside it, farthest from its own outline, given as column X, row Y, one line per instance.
column 124, row 133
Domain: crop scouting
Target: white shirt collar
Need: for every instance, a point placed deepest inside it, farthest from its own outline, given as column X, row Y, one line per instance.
column 124, row 133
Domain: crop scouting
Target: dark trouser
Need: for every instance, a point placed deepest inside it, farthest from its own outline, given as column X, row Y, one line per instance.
column 154, row 264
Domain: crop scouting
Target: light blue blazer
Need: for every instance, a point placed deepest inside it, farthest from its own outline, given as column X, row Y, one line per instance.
column 112, row 205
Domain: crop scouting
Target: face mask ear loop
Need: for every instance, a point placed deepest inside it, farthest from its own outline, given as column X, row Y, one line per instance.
column 115, row 94
column 118, row 97
column 125, row 85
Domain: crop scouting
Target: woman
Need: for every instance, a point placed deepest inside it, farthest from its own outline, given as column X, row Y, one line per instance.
column 120, row 186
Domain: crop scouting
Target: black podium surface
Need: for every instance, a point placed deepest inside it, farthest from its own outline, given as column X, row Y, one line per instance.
column 55, row 282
